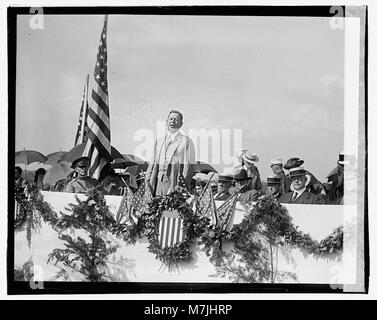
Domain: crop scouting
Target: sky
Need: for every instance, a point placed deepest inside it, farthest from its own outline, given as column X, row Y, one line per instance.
column 280, row 80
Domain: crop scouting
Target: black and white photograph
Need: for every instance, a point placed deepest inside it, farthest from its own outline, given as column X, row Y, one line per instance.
column 187, row 149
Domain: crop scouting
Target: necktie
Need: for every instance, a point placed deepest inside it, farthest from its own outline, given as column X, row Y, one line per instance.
column 295, row 196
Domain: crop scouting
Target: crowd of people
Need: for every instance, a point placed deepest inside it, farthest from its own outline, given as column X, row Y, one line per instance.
column 174, row 160
column 296, row 185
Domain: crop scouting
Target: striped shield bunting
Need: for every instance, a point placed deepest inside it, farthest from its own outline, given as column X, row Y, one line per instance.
column 170, row 229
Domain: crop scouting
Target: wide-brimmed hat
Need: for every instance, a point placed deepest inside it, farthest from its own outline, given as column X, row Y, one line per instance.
column 296, row 172
column 342, row 159
column 273, row 180
column 293, row 163
column 276, row 161
column 223, row 177
column 241, row 175
column 80, row 161
column 250, row 157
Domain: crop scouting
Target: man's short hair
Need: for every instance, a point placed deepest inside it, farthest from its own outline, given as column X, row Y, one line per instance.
column 18, row 169
column 177, row 112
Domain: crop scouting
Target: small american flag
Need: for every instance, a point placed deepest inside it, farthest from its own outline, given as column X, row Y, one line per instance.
column 205, row 205
column 181, row 182
column 124, row 214
column 170, row 229
column 141, row 198
column 225, row 212
column 82, row 127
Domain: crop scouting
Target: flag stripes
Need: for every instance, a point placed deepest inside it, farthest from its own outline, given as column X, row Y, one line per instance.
column 81, row 133
column 124, row 213
column 170, row 231
column 98, row 145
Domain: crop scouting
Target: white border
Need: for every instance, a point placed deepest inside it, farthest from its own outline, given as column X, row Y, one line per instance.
column 372, row 15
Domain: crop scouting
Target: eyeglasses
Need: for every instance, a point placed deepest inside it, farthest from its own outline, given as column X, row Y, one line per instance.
column 82, row 167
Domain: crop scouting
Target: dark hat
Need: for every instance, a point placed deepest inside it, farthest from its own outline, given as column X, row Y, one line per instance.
column 273, row 180
column 343, row 160
column 293, row 163
column 224, row 178
column 80, row 161
column 296, row 172
column 241, row 175
column 40, row 171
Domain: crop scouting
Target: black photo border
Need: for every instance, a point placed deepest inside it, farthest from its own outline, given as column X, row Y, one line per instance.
column 17, row 287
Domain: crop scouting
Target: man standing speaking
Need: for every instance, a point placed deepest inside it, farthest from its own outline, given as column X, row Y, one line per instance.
column 173, row 156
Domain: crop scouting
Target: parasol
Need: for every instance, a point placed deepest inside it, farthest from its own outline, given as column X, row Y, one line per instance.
column 78, row 151
column 57, row 172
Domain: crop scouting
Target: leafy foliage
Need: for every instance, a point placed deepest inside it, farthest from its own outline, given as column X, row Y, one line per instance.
column 258, row 237
column 31, row 209
column 193, row 226
column 86, row 256
column 26, row 273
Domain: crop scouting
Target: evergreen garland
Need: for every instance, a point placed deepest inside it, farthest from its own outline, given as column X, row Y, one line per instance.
column 257, row 238
column 193, row 226
column 86, row 257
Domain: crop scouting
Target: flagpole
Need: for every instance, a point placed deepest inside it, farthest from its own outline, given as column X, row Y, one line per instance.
column 206, row 187
column 230, row 198
column 83, row 124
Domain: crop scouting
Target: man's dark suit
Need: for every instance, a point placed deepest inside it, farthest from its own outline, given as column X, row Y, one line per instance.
column 305, row 198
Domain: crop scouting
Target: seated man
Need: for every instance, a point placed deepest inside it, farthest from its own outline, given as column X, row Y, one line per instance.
column 274, row 186
column 112, row 184
column 19, row 182
column 82, row 183
column 223, row 185
column 246, row 194
column 277, row 169
column 299, row 195
column 314, row 185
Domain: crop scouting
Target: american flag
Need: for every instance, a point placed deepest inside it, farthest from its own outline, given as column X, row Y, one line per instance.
column 98, row 147
column 226, row 211
column 141, row 198
column 124, row 214
column 170, row 229
column 205, row 205
column 181, row 182
column 82, row 128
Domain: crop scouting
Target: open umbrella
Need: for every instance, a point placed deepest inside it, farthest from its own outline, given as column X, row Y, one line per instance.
column 78, row 151
column 29, row 156
column 121, row 163
column 133, row 158
column 55, row 157
column 57, row 172
column 204, row 167
column 26, row 157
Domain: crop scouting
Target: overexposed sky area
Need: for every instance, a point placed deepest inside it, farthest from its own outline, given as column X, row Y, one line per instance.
column 278, row 79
